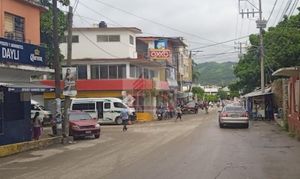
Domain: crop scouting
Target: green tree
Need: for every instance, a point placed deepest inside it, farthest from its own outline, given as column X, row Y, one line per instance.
column 222, row 94
column 198, row 91
column 47, row 29
column 281, row 47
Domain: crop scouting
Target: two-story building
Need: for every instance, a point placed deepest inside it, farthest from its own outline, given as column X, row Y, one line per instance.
column 21, row 57
column 107, row 64
column 172, row 54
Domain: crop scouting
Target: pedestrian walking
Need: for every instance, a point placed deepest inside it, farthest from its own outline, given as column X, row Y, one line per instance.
column 124, row 116
column 37, row 126
column 179, row 113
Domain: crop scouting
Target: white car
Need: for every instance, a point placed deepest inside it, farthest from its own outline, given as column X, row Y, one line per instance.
column 44, row 114
column 233, row 114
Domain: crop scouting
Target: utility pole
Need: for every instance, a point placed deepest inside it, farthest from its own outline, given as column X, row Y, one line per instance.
column 261, row 24
column 57, row 67
column 69, row 58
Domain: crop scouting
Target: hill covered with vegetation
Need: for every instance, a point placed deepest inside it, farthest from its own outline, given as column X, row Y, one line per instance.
column 213, row 73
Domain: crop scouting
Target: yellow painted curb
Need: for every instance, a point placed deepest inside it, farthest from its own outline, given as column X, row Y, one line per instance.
column 11, row 149
column 144, row 116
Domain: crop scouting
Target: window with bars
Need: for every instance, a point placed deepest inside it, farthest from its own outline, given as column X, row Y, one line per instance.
column 75, row 39
column 108, row 38
column 14, row 27
column 131, row 39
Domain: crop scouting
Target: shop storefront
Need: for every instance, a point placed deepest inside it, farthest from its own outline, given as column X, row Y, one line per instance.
column 18, row 62
column 260, row 105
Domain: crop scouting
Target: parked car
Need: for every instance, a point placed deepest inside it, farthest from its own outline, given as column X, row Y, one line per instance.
column 81, row 124
column 233, row 114
column 190, row 107
column 44, row 114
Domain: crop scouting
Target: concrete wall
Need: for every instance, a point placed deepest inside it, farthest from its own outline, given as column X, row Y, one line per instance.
column 31, row 15
column 89, row 48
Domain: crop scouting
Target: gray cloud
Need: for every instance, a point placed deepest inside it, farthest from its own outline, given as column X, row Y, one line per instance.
column 216, row 20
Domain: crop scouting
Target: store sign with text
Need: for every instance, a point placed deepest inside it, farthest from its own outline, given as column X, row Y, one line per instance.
column 162, row 54
column 21, row 53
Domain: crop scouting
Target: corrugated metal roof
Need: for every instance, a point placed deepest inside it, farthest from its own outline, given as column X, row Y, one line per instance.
column 258, row 93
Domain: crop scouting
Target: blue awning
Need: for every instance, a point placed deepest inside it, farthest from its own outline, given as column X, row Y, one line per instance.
column 27, row 87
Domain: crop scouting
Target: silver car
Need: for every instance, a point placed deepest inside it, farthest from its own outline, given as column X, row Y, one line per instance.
column 233, row 114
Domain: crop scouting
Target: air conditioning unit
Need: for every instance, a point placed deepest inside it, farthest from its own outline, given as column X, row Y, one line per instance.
column 9, row 35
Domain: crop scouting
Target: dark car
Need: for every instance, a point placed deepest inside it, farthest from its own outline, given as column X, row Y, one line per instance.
column 191, row 107
column 81, row 124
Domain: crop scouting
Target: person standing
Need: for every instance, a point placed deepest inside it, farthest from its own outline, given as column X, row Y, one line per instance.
column 124, row 117
column 37, row 124
column 179, row 113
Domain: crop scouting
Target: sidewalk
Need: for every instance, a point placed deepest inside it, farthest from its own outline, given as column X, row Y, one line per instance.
column 45, row 140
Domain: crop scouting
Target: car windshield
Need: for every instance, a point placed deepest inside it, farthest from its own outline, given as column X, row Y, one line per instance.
column 234, row 109
column 79, row 116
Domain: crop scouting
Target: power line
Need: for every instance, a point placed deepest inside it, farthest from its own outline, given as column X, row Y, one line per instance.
column 219, row 43
column 113, row 21
column 272, row 10
column 152, row 21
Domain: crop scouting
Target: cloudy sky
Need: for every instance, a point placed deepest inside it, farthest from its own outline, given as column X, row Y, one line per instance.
column 203, row 23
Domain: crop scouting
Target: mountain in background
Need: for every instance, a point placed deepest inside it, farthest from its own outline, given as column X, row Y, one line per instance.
column 212, row 73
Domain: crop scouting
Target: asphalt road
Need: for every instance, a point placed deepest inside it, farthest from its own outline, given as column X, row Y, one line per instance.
column 193, row 148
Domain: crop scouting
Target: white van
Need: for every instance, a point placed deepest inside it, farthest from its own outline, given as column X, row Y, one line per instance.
column 105, row 110
column 44, row 114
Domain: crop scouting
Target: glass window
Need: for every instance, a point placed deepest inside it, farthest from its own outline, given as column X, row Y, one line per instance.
column 102, row 38
column 95, row 72
column 84, row 106
column 131, row 40
column 114, row 38
column 79, row 116
column 108, row 38
column 132, row 71
column 146, row 73
column 14, row 27
column 106, row 105
column 151, row 74
column 139, row 72
column 75, row 39
column 121, row 71
column 82, row 72
column 103, row 71
column 119, row 105
column 113, row 72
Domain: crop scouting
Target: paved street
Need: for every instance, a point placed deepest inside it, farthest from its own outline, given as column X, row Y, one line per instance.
column 193, row 148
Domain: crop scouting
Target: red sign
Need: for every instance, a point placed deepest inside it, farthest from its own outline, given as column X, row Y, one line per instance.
column 160, row 53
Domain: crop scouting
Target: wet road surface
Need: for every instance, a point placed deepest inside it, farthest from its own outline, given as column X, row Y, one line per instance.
column 193, row 148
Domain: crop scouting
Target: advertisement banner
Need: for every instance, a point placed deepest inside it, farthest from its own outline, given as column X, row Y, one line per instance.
column 21, row 53
column 161, row 44
column 162, row 54
column 69, row 77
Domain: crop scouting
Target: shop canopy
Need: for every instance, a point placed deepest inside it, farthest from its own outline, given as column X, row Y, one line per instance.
column 26, row 87
column 287, row 72
column 258, row 93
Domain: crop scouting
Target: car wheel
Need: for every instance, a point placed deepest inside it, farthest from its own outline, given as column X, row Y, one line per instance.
column 75, row 137
column 221, row 125
column 97, row 136
column 118, row 121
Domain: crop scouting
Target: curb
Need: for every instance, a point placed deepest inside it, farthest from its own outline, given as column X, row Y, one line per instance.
column 11, row 149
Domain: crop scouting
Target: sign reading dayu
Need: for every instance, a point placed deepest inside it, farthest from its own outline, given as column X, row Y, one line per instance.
column 21, row 53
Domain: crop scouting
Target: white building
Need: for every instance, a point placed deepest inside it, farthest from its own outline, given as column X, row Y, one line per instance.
column 103, row 42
